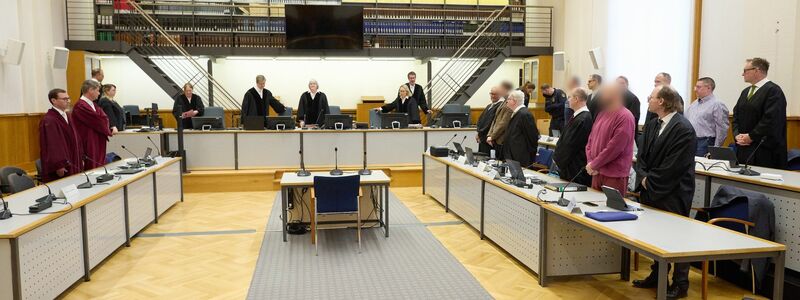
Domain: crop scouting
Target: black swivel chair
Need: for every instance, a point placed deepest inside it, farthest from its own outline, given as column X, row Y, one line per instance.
column 19, row 183
column 5, row 185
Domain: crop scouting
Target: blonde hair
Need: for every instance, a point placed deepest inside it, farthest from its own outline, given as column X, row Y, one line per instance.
column 404, row 87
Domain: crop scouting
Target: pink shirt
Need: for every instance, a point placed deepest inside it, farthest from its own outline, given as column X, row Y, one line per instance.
column 610, row 146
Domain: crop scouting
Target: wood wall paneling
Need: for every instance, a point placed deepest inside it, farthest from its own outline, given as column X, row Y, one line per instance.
column 19, row 140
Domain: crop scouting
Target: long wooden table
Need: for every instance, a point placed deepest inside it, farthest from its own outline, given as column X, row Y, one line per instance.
column 551, row 241
column 42, row 255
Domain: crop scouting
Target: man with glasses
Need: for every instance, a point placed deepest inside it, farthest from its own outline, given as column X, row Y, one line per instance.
column 708, row 116
column 594, row 84
column 760, row 117
column 59, row 149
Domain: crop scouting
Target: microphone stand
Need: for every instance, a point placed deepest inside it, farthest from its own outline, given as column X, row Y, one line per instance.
column 303, row 172
column 5, row 213
column 365, row 171
column 563, row 201
column 746, row 171
column 336, row 171
column 102, row 178
column 87, row 184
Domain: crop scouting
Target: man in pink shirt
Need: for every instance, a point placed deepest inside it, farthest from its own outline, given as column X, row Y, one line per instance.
column 609, row 151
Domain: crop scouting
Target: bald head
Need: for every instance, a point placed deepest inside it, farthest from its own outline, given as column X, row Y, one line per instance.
column 662, row 78
column 494, row 94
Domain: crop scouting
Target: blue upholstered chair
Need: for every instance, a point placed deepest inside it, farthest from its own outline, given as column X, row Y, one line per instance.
column 335, row 196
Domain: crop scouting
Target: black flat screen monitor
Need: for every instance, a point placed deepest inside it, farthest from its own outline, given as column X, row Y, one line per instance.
column 394, row 120
column 516, row 170
column 253, row 122
column 338, row 122
column 724, row 153
column 314, row 27
column 207, row 123
column 280, row 123
column 455, row 120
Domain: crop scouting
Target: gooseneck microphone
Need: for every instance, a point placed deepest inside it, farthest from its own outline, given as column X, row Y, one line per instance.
column 43, row 202
column 746, row 171
column 87, row 184
column 138, row 161
column 464, row 139
column 563, row 201
column 154, row 145
column 303, row 172
column 5, row 213
column 102, row 178
column 336, row 171
column 450, row 140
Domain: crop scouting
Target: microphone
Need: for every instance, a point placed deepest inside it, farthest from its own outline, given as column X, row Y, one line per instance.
column 87, row 184
column 450, row 140
column 464, row 139
column 5, row 213
column 365, row 171
column 320, row 116
column 303, row 172
column 563, row 201
column 138, row 161
column 154, row 145
column 746, row 171
column 43, row 202
column 102, row 178
column 336, row 171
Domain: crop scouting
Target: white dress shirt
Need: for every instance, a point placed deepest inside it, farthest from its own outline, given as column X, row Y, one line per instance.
column 89, row 101
column 517, row 109
column 62, row 113
column 580, row 110
column 665, row 121
column 260, row 92
column 760, row 84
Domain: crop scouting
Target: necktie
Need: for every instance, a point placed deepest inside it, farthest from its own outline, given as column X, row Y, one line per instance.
column 660, row 125
column 752, row 91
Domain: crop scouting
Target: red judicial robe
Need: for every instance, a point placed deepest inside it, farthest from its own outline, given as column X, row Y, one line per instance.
column 59, row 147
column 91, row 125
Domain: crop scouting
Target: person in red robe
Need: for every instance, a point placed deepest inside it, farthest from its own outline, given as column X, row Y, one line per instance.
column 60, row 152
column 91, row 125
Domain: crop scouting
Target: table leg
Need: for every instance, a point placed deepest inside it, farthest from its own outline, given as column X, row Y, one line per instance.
column 625, row 273
column 777, row 289
column 662, row 280
column 386, row 201
column 284, row 197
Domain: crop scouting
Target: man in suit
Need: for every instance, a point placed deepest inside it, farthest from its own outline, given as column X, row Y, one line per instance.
column 91, row 125
column 570, row 153
column 631, row 101
column 594, row 82
column 98, row 76
column 662, row 78
column 554, row 100
column 257, row 98
column 760, row 117
column 497, row 132
column 522, row 137
column 665, row 173
column 59, row 150
column 417, row 92
column 485, row 121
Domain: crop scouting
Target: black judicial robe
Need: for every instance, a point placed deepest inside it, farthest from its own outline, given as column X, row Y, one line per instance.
column 255, row 105
column 308, row 110
column 419, row 96
column 570, row 153
column 114, row 112
column 484, row 124
column 763, row 117
column 632, row 104
column 59, row 146
column 554, row 105
column 409, row 107
column 196, row 103
column 667, row 161
column 522, row 138
column 593, row 104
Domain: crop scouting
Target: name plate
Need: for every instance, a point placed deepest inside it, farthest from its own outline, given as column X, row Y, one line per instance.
column 572, row 207
column 482, row 166
column 462, row 159
column 70, row 193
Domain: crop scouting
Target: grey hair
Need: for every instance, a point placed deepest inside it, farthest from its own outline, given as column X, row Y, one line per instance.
column 89, row 85
column 517, row 95
column 260, row 78
column 314, row 81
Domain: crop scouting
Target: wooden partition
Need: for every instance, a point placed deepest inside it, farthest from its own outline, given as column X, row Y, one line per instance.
column 19, row 140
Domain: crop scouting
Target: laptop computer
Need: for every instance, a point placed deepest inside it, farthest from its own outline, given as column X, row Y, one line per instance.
column 253, row 122
column 470, row 156
column 516, row 170
column 614, row 200
column 724, row 153
column 459, row 149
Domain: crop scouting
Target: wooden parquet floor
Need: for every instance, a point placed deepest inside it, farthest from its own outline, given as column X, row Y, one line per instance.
column 220, row 266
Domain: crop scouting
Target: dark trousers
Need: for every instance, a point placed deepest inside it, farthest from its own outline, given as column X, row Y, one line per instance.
column 702, row 145
column 679, row 277
column 484, row 147
column 498, row 152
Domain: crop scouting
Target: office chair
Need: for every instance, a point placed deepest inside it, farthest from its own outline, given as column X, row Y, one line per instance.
column 38, row 176
column 794, row 160
column 336, row 195
column 132, row 114
column 457, row 108
column 287, row 112
column 544, row 159
column 5, row 187
column 215, row 111
column 19, row 183
column 335, row 110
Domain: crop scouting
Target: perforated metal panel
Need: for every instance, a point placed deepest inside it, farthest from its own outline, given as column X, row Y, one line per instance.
column 169, row 187
column 6, row 288
column 572, row 250
column 435, row 179
column 140, row 204
column 699, row 193
column 105, row 225
column 787, row 216
column 51, row 257
column 465, row 197
column 513, row 224
column 406, row 149
column 252, row 145
column 318, row 148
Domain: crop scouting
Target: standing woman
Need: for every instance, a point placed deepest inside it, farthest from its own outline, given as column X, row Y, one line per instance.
column 403, row 104
column 187, row 105
column 114, row 112
column 313, row 105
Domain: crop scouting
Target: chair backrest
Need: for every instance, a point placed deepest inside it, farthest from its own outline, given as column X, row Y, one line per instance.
column 794, row 160
column 19, row 183
column 5, row 187
column 38, row 166
column 336, row 194
column 544, row 157
column 455, row 108
column 736, row 209
column 335, row 110
column 133, row 110
column 215, row 111
column 287, row 112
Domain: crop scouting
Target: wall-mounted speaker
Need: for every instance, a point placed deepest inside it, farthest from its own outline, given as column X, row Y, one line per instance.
column 13, row 53
column 558, row 61
column 59, row 57
column 597, row 58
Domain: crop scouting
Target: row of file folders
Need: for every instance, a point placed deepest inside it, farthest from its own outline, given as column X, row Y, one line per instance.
column 431, row 27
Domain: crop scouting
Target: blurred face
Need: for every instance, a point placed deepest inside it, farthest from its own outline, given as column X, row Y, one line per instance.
column 412, row 79
column 511, row 102
column 622, row 83
column 61, row 101
column 750, row 73
column 261, row 84
column 655, row 104
column 702, row 89
column 660, row 80
column 591, row 83
column 112, row 92
column 187, row 91
column 494, row 95
column 611, row 97
column 312, row 87
column 575, row 103
column 92, row 94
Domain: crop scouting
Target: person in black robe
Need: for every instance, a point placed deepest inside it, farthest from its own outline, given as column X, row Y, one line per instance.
column 60, row 152
column 114, row 112
column 760, row 117
column 257, row 98
column 485, row 121
column 570, row 153
column 187, row 106
column 665, row 173
column 313, row 105
column 631, row 101
column 554, row 100
column 527, row 89
column 522, row 137
column 403, row 104
column 417, row 92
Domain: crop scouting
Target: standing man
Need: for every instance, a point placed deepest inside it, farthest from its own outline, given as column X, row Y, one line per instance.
column 497, row 132
column 485, row 121
column 662, row 78
column 708, row 116
column 91, row 125
column 257, row 98
column 760, row 117
column 609, row 150
column 554, row 100
column 665, row 171
column 594, row 82
column 98, row 76
column 631, row 101
column 522, row 137
column 417, row 92
column 59, row 149
column 570, row 153
column 574, row 82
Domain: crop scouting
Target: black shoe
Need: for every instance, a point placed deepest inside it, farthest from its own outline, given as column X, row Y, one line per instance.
column 648, row 283
column 677, row 291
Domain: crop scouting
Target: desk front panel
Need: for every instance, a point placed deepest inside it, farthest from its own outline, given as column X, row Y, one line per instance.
column 318, row 148
column 269, row 150
column 209, row 151
column 513, row 224
column 141, row 210
column 574, row 250
column 465, row 197
column 395, row 148
column 168, row 183
column 105, row 226
column 435, row 179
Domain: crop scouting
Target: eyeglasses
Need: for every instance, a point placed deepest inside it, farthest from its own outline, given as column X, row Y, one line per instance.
column 65, row 98
column 748, row 69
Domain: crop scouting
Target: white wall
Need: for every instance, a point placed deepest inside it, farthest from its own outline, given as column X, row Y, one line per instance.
column 734, row 30
column 41, row 25
column 584, row 29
